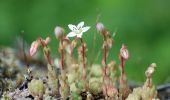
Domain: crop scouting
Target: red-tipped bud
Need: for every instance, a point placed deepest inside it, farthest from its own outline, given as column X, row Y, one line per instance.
column 59, row 31
column 100, row 27
column 34, row 48
column 124, row 52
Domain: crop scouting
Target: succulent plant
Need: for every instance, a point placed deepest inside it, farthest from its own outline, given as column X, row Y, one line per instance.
column 95, row 85
column 64, row 88
column 148, row 91
column 96, row 70
column 36, row 88
column 6, row 96
column 53, row 87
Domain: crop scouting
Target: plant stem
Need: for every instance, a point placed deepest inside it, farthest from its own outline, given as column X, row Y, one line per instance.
column 122, row 66
column 105, row 64
column 46, row 52
column 84, row 62
column 62, row 55
column 121, row 69
column 105, row 54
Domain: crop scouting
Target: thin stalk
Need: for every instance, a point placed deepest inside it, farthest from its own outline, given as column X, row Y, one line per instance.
column 62, row 55
column 105, row 54
column 122, row 69
column 122, row 66
column 105, row 63
column 83, row 55
column 47, row 53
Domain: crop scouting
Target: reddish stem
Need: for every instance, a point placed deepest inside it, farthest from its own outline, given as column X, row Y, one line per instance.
column 49, row 58
column 122, row 65
column 42, row 42
column 83, row 55
column 47, row 54
column 105, row 60
column 62, row 55
column 122, row 68
column 105, row 54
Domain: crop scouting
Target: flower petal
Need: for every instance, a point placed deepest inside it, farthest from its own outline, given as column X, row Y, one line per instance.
column 72, row 27
column 84, row 29
column 71, row 34
column 80, row 25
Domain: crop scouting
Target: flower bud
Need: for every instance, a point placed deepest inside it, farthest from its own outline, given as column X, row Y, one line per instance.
column 59, row 31
column 34, row 47
column 150, row 70
column 100, row 27
column 124, row 52
column 153, row 65
column 47, row 40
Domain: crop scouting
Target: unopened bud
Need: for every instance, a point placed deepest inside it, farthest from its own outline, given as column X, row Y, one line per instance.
column 34, row 47
column 59, row 31
column 150, row 70
column 47, row 40
column 100, row 27
column 153, row 65
column 124, row 52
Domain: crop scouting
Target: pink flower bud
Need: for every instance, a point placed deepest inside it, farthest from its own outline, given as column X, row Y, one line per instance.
column 58, row 31
column 34, row 47
column 100, row 27
column 124, row 52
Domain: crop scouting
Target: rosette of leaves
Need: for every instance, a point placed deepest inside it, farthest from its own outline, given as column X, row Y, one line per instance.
column 36, row 88
column 95, row 85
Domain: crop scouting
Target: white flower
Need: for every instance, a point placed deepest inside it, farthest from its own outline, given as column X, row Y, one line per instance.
column 77, row 30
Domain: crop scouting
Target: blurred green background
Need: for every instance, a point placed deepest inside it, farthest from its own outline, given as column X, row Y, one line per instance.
column 143, row 25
